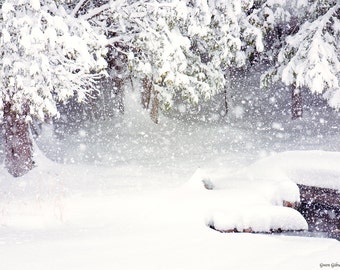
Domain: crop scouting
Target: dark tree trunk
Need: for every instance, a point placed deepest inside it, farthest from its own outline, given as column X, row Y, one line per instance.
column 226, row 104
column 226, row 90
column 120, row 94
column 296, row 102
column 146, row 93
column 154, row 113
column 18, row 143
column 150, row 100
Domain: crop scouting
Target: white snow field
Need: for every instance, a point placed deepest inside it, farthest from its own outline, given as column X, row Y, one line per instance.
column 126, row 194
column 73, row 217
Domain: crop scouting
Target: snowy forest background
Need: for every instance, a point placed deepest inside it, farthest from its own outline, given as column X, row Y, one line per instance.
column 130, row 129
column 183, row 58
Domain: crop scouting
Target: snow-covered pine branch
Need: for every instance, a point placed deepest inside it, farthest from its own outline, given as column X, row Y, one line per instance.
column 77, row 7
column 310, row 57
column 184, row 47
column 96, row 11
column 48, row 56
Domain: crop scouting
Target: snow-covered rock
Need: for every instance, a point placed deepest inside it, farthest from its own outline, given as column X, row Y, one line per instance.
column 258, row 219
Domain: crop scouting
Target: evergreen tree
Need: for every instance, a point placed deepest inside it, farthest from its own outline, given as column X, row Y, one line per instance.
column 182, row 48
column 47, row 56
column 306, row 51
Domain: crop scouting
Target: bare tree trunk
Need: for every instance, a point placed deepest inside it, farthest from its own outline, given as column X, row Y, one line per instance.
column 18, row 143
column 296, row 102
column 120, row 94
column 226, row 104
column 146, row 93
column 154, row 113
column 150, row 95
column 226, row 90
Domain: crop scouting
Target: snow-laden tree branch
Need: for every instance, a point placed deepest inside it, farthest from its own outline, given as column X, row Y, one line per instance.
column 311, row 58
column 309, row 55
column 96, row 12
column 47, row 57
column 184, row 46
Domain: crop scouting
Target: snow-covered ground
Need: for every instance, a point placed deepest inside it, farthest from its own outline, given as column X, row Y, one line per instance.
column 126, row 194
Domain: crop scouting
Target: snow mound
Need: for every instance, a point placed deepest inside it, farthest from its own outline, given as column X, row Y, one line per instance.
column 258, row 219
column 253, row 206
column 199, row 181
column 269, row 182
column 312, row 168
column 276, row 177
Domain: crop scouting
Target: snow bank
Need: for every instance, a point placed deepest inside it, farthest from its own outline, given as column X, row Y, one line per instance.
column 312, row 168
column 276, row 176
column 263, row 187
